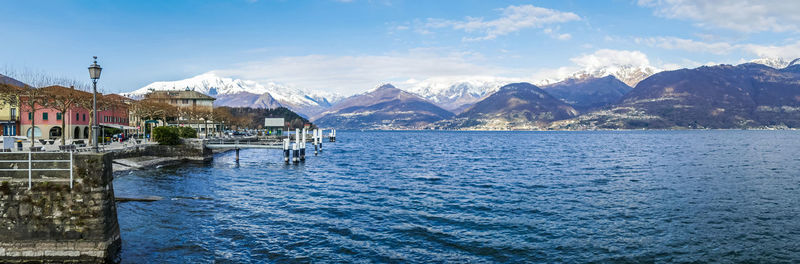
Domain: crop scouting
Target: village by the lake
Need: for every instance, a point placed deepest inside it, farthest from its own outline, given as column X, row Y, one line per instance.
column 468, row 132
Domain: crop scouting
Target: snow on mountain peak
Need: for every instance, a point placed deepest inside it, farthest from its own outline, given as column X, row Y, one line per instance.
column 212, row 84
column 452, row 93
column 442, row 88
column 774, row 62
column 629, row 74
column 208, row 83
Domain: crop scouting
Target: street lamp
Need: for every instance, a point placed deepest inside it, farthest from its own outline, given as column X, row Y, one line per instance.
column 94, row 74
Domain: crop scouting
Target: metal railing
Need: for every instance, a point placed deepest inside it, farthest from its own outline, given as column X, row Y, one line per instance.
column 32, row 161
column 241, row 143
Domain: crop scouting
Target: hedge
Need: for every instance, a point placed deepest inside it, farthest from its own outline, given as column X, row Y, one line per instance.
column 167, row 135
column 187, row 132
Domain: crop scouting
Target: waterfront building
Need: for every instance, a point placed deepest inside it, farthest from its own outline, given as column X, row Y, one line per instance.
column 9, row 118
column 185, row 100
column 274, row 126
column 47, row 121
column 117, row 113
column 195, row 109
column 9, row 111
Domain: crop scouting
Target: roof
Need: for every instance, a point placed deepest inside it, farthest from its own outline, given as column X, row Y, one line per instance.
column 178, row 95
column 119, row 98
column 62, row 89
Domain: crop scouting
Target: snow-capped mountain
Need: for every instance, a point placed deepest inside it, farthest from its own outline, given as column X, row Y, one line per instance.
column 207, row 83
column 383, row 107
column 629, row 74
column 305, row 102
column 456, row 94
column 777, row 63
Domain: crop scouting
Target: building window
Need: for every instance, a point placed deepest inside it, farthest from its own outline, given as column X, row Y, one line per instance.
column 84, row 117
column 185, row 101
column 44, row 116
column 13, row 113
column 30, row 116
column 58, row 116
column 77, row 117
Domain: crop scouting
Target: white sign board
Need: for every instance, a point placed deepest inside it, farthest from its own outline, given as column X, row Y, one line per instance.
column 273, row 122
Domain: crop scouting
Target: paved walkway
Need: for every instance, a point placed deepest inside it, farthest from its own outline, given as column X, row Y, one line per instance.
column 108, row 146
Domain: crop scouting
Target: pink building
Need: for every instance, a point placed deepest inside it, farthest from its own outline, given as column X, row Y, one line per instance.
column 47, row 121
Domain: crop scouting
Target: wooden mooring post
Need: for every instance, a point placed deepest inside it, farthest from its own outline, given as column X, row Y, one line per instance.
column 286, row 144
column 296, row 158
column 321, row 132
column 303, row 145
column 316, row 141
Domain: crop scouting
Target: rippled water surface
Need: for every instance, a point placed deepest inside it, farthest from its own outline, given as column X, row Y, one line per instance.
column 644, row 196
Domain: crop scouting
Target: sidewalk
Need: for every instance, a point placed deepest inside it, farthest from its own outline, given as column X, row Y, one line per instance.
column 109, row 146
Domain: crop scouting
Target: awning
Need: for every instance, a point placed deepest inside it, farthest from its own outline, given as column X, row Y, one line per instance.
column 118, row 126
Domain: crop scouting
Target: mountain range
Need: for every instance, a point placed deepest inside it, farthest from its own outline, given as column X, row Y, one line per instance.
column 759, row 93
column 723, row 96
column 383, row 107
column 589, row 93
column 247, row 93
column 516, row 105
column 456, row 95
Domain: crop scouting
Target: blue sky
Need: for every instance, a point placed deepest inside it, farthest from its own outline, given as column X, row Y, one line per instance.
column 351, row 46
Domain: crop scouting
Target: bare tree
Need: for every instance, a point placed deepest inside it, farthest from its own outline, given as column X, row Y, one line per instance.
column 32, row 99
column 63, row 99
column 153, row 110
column 222, row 114
column 86, row 102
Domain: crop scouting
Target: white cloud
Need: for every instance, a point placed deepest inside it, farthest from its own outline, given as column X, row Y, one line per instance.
column 738, row 15
column 789, row 51
column 353, row 74
column 513, row 19
column 607, row 57
column 673, row 43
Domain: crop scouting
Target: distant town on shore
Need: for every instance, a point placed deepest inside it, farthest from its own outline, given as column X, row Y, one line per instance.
column 55, row 112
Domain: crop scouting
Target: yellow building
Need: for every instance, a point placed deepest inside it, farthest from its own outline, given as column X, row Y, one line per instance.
column 9, row 119
column 9, row 113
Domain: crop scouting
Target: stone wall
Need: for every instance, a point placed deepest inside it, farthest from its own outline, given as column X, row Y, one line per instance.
column 190, row 149
column 53, row 223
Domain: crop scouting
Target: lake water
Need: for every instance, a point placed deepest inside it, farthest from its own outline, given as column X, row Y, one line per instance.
column 633, row 196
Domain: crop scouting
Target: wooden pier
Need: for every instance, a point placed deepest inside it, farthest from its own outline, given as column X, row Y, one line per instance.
column 298, row 148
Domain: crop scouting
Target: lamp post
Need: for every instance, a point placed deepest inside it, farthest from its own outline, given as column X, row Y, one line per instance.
column 94, row 74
